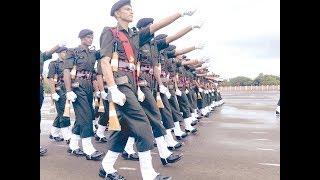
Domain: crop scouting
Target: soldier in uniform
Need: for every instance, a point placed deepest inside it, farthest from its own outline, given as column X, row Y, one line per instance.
column 44, row 56
column 158, row 44
column 80, row 62
column 55, row 76
column 122, row 86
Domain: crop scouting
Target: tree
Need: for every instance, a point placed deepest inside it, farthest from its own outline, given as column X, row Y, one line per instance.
column 240, row 81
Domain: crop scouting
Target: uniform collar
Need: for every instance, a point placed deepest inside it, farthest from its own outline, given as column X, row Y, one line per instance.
column 128, row 31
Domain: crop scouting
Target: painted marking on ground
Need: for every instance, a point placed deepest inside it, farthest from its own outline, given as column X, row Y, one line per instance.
column 128, row 168
column 262, row 139
column 269, row 164
column 259, row 132
column 262, row 149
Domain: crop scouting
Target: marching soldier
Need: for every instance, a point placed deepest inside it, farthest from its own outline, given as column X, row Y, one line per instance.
column 78, row 72
column 55, row 76
column 44, row 56
column 122, row 86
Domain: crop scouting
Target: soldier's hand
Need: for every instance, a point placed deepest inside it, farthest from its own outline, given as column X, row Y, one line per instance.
column 141, row 95
column 164, row 90
column 199, row 46
column 178, row 92
column 71, row 96
column 200, row 89
column 97, row 94
column 168, row 94
column 62, row 44
column 188, row 12
column 187, row 91
column 116, row 95
column 198, row 24
column 104, row 95
column 55, row 97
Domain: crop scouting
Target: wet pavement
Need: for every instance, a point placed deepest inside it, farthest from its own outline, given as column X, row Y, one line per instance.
column 239, row 141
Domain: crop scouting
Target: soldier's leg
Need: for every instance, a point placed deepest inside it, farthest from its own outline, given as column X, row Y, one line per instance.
column 133, row 121
column 83, row 124
column 64, row 122
column 167, row 119
column 184, row 107
column 43, row 151
column 102, row 123
column 177, row 117
column 150, row 108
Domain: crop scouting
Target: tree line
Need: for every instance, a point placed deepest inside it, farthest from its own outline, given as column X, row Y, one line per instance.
column 258, row 81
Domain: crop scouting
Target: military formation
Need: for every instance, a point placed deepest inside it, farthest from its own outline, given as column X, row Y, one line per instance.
column 138, row 86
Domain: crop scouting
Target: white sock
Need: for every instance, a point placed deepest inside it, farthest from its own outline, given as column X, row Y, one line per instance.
column 55, row 131
column 66, row 133
column 164, row 152
column 177, row 130
column 87, row 146
column 129, row 146
column 108, row 161
column 147, row 171
column 187, row 124
column 74, row 142
column 100, row 131
column 169, row 139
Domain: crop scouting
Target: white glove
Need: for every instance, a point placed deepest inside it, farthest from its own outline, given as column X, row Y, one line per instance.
column 103, row 95
column 198, row 24
column 97, row 94
column 71, row 96
column 62, row 44
column 117, row 96
column 187, row 91
column 168, row 94
column 200, row 89
column 199, row 46
column 178, row 92
column 141, row 95
column 55, row 96
column 188, row 12
column 163, row 89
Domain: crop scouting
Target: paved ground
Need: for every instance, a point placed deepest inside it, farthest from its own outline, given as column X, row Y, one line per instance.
column 240, row 141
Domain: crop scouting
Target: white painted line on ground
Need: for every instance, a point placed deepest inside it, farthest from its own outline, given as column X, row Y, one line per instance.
column 127, row 168
column 62, row 145
column 205, row 121
column 262, row 139
column 262, row 149
column 269, row 164
column 259, row 132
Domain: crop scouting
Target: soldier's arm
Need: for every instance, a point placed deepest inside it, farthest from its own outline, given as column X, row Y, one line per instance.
column 48, row 54
column 178, row 35
column 190, row 62
column 52, row 85
column 106, row 50
column 67, row 79
column 164, row 22
column 157, row 73
column 50, row 76
column 184, row 51
column 107, row 71
column 100, row 82
column 95, row 85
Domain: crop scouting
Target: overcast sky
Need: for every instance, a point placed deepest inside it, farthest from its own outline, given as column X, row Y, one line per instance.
column 242, row 36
